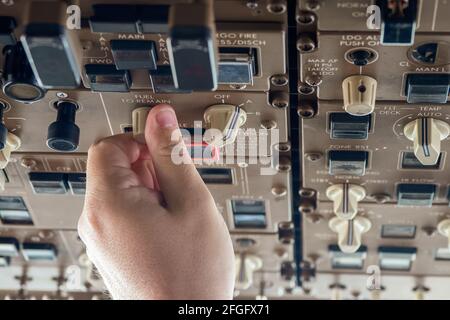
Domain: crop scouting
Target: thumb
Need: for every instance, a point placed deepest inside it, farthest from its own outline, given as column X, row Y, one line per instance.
column 179, row 181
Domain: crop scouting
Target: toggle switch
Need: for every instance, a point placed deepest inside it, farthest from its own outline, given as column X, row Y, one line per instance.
column 350, row 232
column 444, row 229
column 223, row 122
column 63, row 134
column 192, row 46
column 139, row 118
column 18, row 80
column 427, row 134
column 345, row 199
column 359, row 94
column 52, row 48
column 246, row 265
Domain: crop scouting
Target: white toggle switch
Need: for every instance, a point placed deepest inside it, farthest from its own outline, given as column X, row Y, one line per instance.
column 246, row 265
column 444, row 229
column 427, row 134
column 13, row 143
column 223, row 122
column 350, row 232
column 138, row 120
column 359, row 94
column 345, row 199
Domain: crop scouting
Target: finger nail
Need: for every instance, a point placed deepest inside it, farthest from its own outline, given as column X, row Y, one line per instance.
column 166, row 118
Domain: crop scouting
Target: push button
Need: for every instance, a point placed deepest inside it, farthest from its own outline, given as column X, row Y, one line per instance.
column 48, row 182
column 347, row 126
column 39, row 251
column 106, row 78
column 9, row 247
column 134, row 54
column 162, row 81
column 416, row 194
column 427, row 88
column 347, row 162
column 77, row 183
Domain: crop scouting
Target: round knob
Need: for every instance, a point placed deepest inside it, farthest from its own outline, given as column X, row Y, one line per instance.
column 64, row 134
column 359, row 94
column 19, row 82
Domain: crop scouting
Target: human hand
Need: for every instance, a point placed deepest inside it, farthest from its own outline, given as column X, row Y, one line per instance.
column 151, row 227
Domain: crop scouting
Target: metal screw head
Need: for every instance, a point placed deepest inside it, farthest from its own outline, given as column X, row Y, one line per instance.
column 238, row 86
column 252, row 4
column 313, row 156
column 381, row 198
column 280, row 103
column 268, row 124
column 284, row 165
column 279, row 191
column 313, row 81
column 277, row 7
column 62, row 95
column 279, row 80
column 28, row 163
column 305, row 45
column 282, row 147
column 46, row 234
column 306, row 111
column 429, row 230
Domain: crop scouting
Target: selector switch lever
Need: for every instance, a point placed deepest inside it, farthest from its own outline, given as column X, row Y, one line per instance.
column 345, row 199
column 350, row 232
column 139, row 118
column 223, row 122
column 444, row 229
column 9, row 142
column 63, row 134
column 246, row 265
column 427, row 134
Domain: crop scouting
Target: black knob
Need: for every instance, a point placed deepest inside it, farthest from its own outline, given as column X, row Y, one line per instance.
column 64, row 134
column 3, row 129
column 19, row 82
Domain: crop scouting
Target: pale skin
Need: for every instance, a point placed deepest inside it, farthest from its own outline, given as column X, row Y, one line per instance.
column 151, row 227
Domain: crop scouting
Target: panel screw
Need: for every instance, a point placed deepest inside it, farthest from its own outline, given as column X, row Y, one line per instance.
column 313, row 156
column 284, row 164
column 279, row 191
column 306, row 18
column 62, row 95
column 381, row 197
column 277, row 7
column 306, row 111
column 282, row 147
column 252, row 4
column 268, row 124
column 313, row 81
column 305, row 44
column 280, row 100
column 429, row 230
column 279, row 80
column 28, row 163
column 46, row 234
